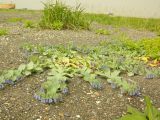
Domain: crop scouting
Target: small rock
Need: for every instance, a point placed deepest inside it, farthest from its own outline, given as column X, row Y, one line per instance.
column 78, row 116
column 13, row 99
column 97, row 102
column 141, row 100
column 66, row 114
column 47, row 108
column 120, row 95
column 129, row 98
column 93, row 96
column 97, row 94
column 6, row 103
column 61, row 115
column 91, row 92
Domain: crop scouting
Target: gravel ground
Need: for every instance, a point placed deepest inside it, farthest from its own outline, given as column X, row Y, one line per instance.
column 83, row 103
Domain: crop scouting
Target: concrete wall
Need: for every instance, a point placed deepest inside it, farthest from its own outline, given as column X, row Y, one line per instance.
column 135, row 8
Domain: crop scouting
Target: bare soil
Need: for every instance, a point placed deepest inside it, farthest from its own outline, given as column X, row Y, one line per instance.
column 83, row 103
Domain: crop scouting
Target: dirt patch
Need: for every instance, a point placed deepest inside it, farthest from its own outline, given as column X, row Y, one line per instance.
column 83, row 103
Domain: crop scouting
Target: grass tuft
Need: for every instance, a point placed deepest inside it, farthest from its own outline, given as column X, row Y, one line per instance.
column 59, row 16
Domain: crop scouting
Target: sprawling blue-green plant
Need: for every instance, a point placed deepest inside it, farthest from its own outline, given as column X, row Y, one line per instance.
column 107, row 61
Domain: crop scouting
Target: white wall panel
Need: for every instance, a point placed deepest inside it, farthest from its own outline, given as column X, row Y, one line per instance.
column 136, row 8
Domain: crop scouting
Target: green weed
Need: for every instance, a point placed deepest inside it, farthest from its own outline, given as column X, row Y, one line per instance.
column 58, row 14
column 3, row 32
column 150, row 112
column 102, row 32
column 137, row 23
column 151, row 47
column 147, row 47
column 15, row 20
column 29, row 24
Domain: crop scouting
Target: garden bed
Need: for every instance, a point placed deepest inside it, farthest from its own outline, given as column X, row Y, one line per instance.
column 84, row 103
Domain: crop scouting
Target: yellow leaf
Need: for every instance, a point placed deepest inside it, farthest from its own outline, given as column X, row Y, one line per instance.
column 152, row 65
column 145, row 59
